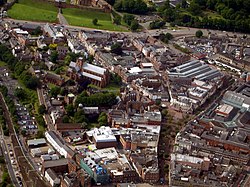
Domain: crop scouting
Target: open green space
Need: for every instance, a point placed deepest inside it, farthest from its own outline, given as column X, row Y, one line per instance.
column 83, row 18
column 33, row 10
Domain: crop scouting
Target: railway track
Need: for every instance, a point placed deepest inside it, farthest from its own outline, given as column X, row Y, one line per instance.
column 30, row 176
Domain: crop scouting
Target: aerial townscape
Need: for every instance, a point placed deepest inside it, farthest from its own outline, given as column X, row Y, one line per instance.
column 125, row 93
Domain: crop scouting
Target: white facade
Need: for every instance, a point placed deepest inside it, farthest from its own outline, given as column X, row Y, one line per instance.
column 58, row 146
column 52, row 178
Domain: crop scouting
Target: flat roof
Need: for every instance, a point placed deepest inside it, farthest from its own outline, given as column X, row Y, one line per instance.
column 186, row 158
column 109, row 153
column 36, row 141
column 225, row 108
column 54, row 163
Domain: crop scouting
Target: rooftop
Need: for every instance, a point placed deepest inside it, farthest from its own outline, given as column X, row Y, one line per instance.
column 36, row 142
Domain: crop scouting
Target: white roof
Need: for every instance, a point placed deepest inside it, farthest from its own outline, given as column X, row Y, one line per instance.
column 135, row 70
column 147, row 64
column 94, row 68
column 91, row 76
column 103, row 134
column 20, row 31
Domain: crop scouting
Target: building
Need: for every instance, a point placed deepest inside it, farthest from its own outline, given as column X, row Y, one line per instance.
column 52, row 177
column 36, row 143
column 194, row 70
column 36, row 152
column 58, row 166
column 54, row 32
column 53, row 78
column 102, row 137
column 94, row 74
column 58, row 144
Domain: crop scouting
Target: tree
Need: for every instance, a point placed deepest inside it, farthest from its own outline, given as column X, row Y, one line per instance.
column 2, row 2
column 116, row 79
column 131, row 6
column 184, row 4
column 37, row 31
column 127, row 18
column 157, row 24
column 117, row 20
column 42, row 109
column 24, row 132
column 55, row 91
column 40, row 120
column 52, row 46
column 54, row 56
column 199, row 34
column 40, row 134
column 6, row 132
column 70, row 110
column 95, row 21
column 80, row 117
column 20, row 94
column 2, row 161
column 111, row 2
column 134, row 25
column 116, row 48
column 103, row 119
column 195, row 8
column 65, row 119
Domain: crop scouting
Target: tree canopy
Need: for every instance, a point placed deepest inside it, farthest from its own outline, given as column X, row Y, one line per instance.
column 98, row 99
column 116, row 48
column 232, row 15
column 131, row 6
column 199, row 34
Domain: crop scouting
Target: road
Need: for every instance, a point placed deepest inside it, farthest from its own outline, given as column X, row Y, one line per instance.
column 180, row 31
column 8, row 160
column 46, row 117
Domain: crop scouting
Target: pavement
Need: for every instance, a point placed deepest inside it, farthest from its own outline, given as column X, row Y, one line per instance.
column 62, row 19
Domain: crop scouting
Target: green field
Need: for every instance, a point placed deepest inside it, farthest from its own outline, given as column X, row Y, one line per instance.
column 83, row 18
column 33, row 10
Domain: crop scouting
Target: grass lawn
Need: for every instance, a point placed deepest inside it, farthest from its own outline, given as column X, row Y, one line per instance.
column 33, row 10
column 83, row 18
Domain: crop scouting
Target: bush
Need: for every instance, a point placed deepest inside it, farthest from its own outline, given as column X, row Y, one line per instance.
column 95, row 21
column 157, row 24
column 199, row 34
column 116, row 48
column 117, row 20
column 134, row 25
column 41, row 109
